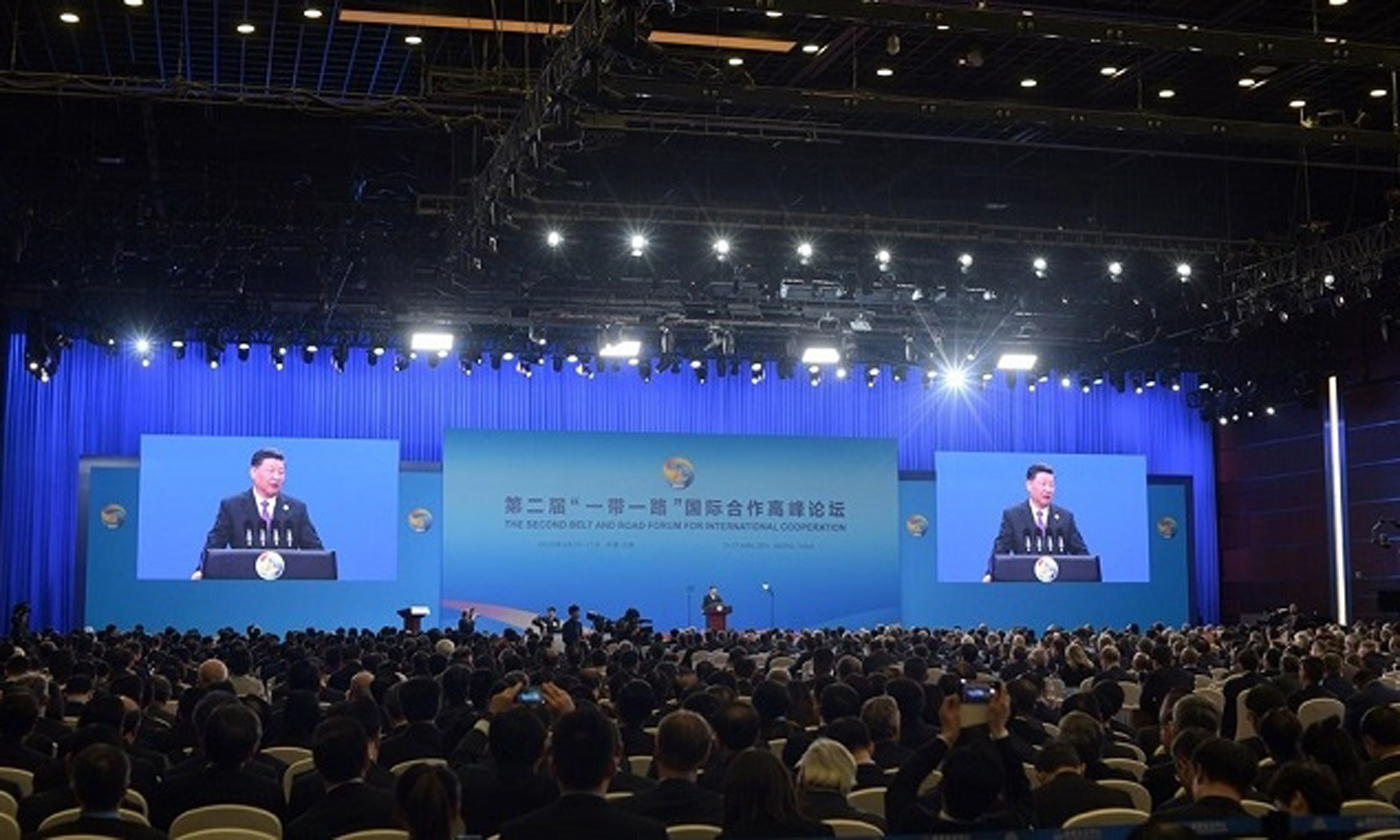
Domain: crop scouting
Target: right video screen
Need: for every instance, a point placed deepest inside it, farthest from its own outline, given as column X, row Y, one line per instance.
column 1025, row 517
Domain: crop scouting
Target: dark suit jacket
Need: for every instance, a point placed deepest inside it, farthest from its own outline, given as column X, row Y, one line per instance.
column 238, row 516
column 1017, row 521
column 350, row 807
column 582, row 816
column 102, row 827
column 309, row 788
column 906, row 814
column 1069, row 794
column 214, row 785
column 1209, row 808
column 676, row 802
column 491, row 796
column 831, row 805
column 416, row 740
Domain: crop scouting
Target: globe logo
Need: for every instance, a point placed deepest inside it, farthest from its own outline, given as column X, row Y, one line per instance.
column 916, row 525
column 420, row 520
column 113, row 516
column 1046, row 569
column 679, row 472
column 1166, row 527
column 270, row 565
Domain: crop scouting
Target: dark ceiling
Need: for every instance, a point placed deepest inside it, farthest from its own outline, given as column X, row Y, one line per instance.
column 323, row 179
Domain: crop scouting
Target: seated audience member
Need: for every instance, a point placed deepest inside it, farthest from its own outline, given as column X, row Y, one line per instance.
column 1221, row 773
column 297, row 720
column 19, row 712
column 231, row 737
column 1186, row 711
column 1305, row 789
column 419, row 737
column 1311, row 674
column 510, row 784
column 582, row 760
column 1063, row 790
column 100, row 774
column 1326, row 743
column 736, row 729
column 1024, row 726
column 1247, row 663
column 1261, row 700
column 1164, row 676
column 624, row 780
column 882, row 719
column 1281, row 732
column 759, row 800
column 1086, row 735
column 975, row 776
column 1165, row 792
column 340, row 750
column 1370, row 693
column 682, row 746
column 309, row 787
column 1380, row 736
column 33, row 810
column 262, row 765
column 772, row 701
column 635, row 702
column 852, row 734
column 826, row 774
column 910, row 696
column 428, row 803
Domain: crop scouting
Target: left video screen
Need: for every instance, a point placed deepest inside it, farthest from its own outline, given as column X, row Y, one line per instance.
column 229, row 507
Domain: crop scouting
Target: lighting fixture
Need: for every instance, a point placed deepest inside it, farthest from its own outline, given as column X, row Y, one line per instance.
column 413, row 40
column 1115, row 269
column 811, row 49
column 69, row 17
column 884, row 72
column 736, row 61
column 1298, row 103
column 965, row 261
column 804, row 250
column 1166, row 93
column 1108, row 70
column 554, row 239
column 1017, row 361
column 638, row 244
column 721, row 247
column 312, row 12
column 1183, row 270
column 1379, row 93
column 246, row 28
column 620, row 349
column 430, row 341
column 1029, row 83
column 133, row 4
column 820, row 355
column 1247, row 82
column 882, row 257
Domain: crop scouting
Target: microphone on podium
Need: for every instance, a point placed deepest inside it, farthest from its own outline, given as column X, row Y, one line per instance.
column 1026, row 537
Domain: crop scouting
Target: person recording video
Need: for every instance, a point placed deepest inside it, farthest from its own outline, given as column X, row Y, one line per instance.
column 264, row 516
column 547, row 623
column 1037, row 526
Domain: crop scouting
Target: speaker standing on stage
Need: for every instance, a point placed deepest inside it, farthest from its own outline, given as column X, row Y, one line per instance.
column 711, row 600
column 1037, row 526
column 264, row 517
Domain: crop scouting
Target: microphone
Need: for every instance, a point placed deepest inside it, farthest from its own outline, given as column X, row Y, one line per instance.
column 1026, row 536
column 248, row 537
column 288, row 541
column 1061, row 535
column 1039, row 543
column 276, row 538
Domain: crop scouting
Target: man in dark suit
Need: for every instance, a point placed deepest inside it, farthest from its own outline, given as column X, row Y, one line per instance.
column 100, row 774
column 419, row 698
column 231, row 739
column 508, row 786
column 309, row 787
column 682, row 745
column 341, row 753
column 583, row 760
column 854, row 735
column 264, row 516
column 1311, row 674
column 1221, row 772
column 1380, row 735
column 1048, row 528
column 1063, row 791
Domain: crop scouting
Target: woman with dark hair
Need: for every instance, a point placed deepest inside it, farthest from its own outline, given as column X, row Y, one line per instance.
column 759, row 800
column 429, row 802
column 1326, row 743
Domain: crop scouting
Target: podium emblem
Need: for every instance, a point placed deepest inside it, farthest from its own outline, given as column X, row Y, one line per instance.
column 1046, row 569
column 270, row 565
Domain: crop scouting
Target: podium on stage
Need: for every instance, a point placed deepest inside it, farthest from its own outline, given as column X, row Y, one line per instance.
column 413, row 618
column 717, row 616
column 1046, row 568
column 267, row 564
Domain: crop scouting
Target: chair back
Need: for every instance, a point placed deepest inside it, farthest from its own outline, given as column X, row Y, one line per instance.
column 688, row 831
column 1319, row 709
column 871, row 800
column 9, row 829
column 1132, row 765
column 402, row 766
column 288, row 755
column 1244, row 728
column 1142, row 800
column 614, row 795
column 8, row 805
column 1383, row 834
column 776, row 746
column 640, row 765
column 132, row 800
column 71, row 814
column 228, row 834
column 931, row 781
column 853, row 828
column 22, row 779
column 1387, row 786
column 1368, row 808
column 1214, row 695
column 1255, row 808
column 1108, row 816
column 226, row 816
column 376, row 834
column 306, row 765
column 1132, row 693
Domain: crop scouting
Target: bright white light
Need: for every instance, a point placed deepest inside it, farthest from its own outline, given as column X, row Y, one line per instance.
column 69, row 17
column 1336, row 2
column 696, row 364
column 638, row 244
column 134, row 4
column 1379, row 93
column 1029, row 83
column 311, row 13
column 965, row 260
column 1329, row 280
column 246, row 29
column 956, row 378
column 143, row 345
column 311, row 348
column 804, row 250
column 1166, row 93
column 1064, row 382
column 756, row 367
column 626, row 348
column 1017, row 361
column 721, row 247
column 1247, row 82
column 885, row 72
column 842, row 373
column 413, row 40
column 1040, row 264
column 1183, row 270
column 773, row 13
column 821, row 356
column 1115, row 269
column 430, row 341
column 1108, row 70
column 1298, row 103
column 736, row 61
column 1270, row 411
column 811, row 49
column 554, row 239
column 882, row 257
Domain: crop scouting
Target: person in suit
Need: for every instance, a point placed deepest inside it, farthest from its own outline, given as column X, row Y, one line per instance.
column 420, row 738
column 264, row 515
column 711, row 600
column 583, row 760
column 1380, row 736
column 826, row 774
column 882, row 721
column 309, row 787
column 682, row 745
column 1038, row 520
column 1063, row 790
column 100, row 774
column 1305, row 789
column 1311, row 673
column 231, row 738
column 1082, row 731
column 508, row 785
column 572, row 630
column 1221, row 772
column 854, row 735
column 340, row 751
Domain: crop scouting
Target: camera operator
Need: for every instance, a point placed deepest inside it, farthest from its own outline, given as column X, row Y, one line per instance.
column 573, row 627
column 548, row 623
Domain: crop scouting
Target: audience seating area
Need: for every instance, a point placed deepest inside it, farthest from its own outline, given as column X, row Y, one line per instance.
column 364, row 735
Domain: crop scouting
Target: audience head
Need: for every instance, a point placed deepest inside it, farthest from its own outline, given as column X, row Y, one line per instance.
column 1193, row 710
column 771, row 700
column 736, row 726
column 101, row 773
column 1306, row 788
column 1222, row 764
column 419, row 698
column 972, row 781
column 635, row 702
column 340, row 750
column 427, row 801
column 232, row 734
column 1380, row 730
column 683, row 743
column 583, row 750
column 1281, row 731
column 827, row 765
column 1056, row 756
column 881, row 716
column 517, row 738
column 758, row 793
column 19, row 711
column 839, row 700
column 1084, row 734
column 852, row 734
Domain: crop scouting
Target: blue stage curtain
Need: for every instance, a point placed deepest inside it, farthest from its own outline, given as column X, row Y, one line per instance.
column 100, row 404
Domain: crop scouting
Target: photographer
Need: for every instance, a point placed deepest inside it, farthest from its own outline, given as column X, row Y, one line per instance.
column 548, row 623
column 573, row 627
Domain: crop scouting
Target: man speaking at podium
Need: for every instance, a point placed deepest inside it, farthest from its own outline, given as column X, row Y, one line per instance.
column 264, row 517
column 1037, row 526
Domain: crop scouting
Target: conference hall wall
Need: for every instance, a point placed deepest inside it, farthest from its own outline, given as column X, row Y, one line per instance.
column 101, row 405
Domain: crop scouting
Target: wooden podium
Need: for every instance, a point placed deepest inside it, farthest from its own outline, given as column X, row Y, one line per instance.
column 717, row 617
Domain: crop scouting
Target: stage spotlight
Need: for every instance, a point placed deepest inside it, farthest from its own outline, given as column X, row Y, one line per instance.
column 244, row 349
column 1183, row 271
column 430, row 341
column 465, row 362
column 821, row 354
column 1065, row 382
column 213, row 354
column 872, row 375
column 898, row 372
column 143, row 345
column 620, row 348
column 965, row 262
column 882, row 259
column 841, row 372
column 696, row 364
column 524, row 368
column 644, row 371
column 1269, row 411
column 554, row 239
column 956, row 378
column 1041, row 266
column 814, row 376
column 401, row 361
column 701, row 374
column 1115, row 270
column 339, row 356
column 178, row 345
column 804, row 252
column 721, row 248
column 1017, row 361
column 308, row 353
column 638, row 244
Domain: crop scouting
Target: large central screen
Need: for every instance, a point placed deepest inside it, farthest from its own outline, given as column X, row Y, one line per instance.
column 613, row 521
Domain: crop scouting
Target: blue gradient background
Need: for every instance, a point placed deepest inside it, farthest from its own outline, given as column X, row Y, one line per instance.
column 1106, row 493
column 350, row 488
column 849, row 578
